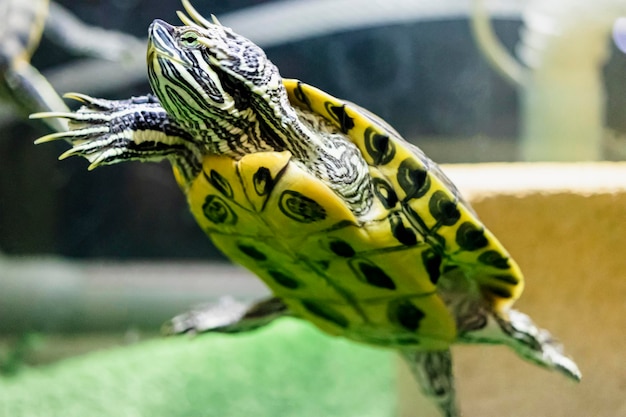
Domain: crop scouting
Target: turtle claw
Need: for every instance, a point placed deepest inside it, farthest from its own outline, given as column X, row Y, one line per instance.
column 563, row 364
column 552, row 356
column 101, row 158
column 106, row 132
column 50, row 114
column 69, row 152
column 537, row 345
column 51, row 137
column 183, row 18
column 92, row 103
column 533, row 344
column 205, row 318
column 215, row 21
column 83, row 98
column 227, row 315
column 193, row 13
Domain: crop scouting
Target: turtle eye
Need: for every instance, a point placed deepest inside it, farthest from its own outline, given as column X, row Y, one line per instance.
column 189, row 39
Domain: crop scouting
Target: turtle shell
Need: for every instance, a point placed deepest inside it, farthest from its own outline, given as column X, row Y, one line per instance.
column 373, row 277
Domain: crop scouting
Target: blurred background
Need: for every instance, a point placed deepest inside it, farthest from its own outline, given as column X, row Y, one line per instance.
column 116, row 251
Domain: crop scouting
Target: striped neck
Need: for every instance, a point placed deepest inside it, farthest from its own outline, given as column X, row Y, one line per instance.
column 261, row 127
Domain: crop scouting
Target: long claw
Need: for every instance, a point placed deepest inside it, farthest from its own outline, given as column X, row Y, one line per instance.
column 83, row 98
column 91, row 102
column 50, row 114
column 193, row 13
column 51, row 137
column 561, row 363
column 111, row 131
column 215, row 21
column 72, row 134
column 68, row 153
column 102, row 157
column 186, row 20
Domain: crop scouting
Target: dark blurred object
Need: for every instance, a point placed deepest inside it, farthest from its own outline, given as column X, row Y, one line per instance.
column 18, row 353
column 21, row 84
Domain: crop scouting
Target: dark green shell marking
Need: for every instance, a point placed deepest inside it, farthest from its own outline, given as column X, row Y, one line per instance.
column 252, row 252
column 509, row 279
column 326, row 312
column 372, row 274
column 301, row 96
column 494, row 258
column 263, row 181
column 497, row 291
column 300, row 208
column 414, row 218
column 341, row 248
column 338, row 113
column 413, row 179
column 324, row 264
column 443, row 209
column 403, row 234
column 385, row 193
column 406, row 314
column 432, row 263
column 449, row 268
column 469, row 237
column 284, row 280
column 379, row 147
column 217, row 211
column 437, row 240
column 220, row 183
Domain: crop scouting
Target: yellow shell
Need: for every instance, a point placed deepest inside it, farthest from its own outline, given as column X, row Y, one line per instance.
column 372, row 278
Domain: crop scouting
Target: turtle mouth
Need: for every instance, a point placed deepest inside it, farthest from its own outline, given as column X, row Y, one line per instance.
column 162, row 43
column 161, row 34
column 161, row 56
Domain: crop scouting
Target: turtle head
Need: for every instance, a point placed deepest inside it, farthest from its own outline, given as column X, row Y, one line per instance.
column 204, row 72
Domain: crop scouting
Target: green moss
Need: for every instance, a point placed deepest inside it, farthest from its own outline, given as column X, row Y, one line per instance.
column 286, row 369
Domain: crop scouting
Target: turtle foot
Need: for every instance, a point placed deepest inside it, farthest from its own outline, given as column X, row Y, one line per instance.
column 107, row 132
column 206, row 317
column 537, row 345
column 226, row 316
column 517, row 330
column 433, row 372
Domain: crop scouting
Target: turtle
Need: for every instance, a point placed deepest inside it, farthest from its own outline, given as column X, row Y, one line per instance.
column 351, row 227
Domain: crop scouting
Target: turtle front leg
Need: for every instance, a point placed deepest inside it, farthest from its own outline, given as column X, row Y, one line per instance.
column 107, row 132
column 227, row 316
column 433, row 372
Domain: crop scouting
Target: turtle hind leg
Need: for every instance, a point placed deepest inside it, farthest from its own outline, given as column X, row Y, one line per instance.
column 227, row 316
column 535, row 344
column 517, row 330
column 433, row 372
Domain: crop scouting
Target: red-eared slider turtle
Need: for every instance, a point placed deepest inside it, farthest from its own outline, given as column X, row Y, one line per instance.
column 352, row 228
